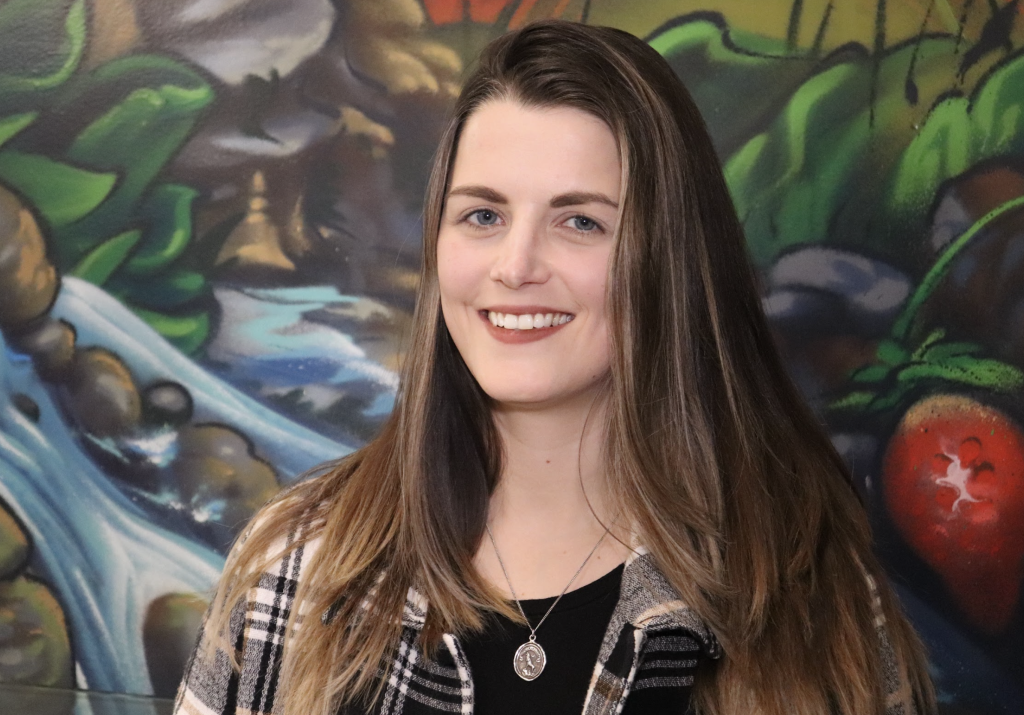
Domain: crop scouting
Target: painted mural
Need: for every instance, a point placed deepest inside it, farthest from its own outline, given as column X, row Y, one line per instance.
column 209, row 249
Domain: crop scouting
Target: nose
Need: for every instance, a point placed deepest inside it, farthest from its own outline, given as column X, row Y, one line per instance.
column 519, row 257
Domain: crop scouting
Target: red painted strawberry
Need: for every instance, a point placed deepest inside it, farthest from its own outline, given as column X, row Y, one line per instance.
column 953, row 483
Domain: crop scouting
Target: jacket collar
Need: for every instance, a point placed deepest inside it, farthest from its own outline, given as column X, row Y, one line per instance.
column 647, row 602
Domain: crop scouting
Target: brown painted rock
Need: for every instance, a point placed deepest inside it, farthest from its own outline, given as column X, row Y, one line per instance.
column 168, row 636
column 216, row 463
column 14, row 544
column 28, row 281
column 34, row 644
column 101, row 394
column 166, row 403
column 52, row 347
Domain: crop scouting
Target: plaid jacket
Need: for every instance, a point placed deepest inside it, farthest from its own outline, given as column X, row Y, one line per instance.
column 652, row 640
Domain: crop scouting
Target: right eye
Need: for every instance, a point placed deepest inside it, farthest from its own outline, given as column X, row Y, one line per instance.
column 483, row 217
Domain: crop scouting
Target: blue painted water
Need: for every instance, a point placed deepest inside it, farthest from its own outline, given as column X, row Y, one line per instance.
column 100, row 545
column 296, row 347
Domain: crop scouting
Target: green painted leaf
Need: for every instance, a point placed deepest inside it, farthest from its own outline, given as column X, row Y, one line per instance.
column 959, row 133
column 866, row 403
column 789, row 182
column 60, row 192
column 116, row 138
column 966, row 371
column 871, row 373
column 944, row 351
column 821, row 169
column 853, row 401
column 100, row 263
column 738, row 80
column 121, row 76
column 892, row 353
column 12, row 125
column 136, row 138
column 931, row 339
column 167, row 213
column 41, row 44
column 833, row 167
column 171, row 290
column 891, row 399
column 186, row 332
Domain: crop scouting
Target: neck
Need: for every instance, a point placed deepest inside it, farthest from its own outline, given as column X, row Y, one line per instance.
column 552, row 502
column 554, row 464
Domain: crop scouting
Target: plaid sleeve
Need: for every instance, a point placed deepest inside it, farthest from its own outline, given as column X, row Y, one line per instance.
column 212, row 686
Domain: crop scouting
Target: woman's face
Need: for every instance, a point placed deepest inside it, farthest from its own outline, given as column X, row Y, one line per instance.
column 523, row 251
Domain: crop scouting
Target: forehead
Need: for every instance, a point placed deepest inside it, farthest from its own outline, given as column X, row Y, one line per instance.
column 549, row 149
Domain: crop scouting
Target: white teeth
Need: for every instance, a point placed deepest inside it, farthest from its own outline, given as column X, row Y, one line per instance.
column 527, row 322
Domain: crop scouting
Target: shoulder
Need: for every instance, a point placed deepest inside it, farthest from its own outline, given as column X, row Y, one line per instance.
column 275, row 549
column 286, row 530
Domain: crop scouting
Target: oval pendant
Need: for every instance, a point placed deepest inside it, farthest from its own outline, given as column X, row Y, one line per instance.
column 529, row 661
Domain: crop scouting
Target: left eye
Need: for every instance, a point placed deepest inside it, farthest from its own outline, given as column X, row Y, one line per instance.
column 583, row 224
column 483, row 217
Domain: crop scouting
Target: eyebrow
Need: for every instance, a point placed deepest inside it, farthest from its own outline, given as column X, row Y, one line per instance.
column 571, row 198
column 578, row 198
column 479, row 192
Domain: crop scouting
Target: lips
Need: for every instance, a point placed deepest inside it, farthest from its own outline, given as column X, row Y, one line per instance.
column 523, row 324
column 527, row 321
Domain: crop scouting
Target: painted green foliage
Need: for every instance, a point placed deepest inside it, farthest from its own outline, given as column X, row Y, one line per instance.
column 826, row 151
column 900, row 369
column 959, row 133
column 740, row 81
column 110, row 218
column 823, row 153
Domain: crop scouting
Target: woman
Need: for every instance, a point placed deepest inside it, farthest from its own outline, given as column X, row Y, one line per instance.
column 591, row 406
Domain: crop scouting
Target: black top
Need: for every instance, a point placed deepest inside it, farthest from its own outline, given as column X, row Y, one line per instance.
column 571, row 637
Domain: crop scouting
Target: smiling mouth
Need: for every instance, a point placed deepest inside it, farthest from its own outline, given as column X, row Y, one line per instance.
column 527, row 321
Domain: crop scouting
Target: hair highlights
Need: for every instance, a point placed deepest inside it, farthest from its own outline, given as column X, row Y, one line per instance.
column 729, row 479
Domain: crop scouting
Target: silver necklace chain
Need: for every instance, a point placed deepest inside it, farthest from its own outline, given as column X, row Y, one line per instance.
column 533, row 629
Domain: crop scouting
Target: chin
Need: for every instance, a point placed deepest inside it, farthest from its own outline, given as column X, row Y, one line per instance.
column 536, row 396
column 526, row 396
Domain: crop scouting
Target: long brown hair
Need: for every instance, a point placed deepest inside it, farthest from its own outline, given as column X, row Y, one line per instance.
column 731, row 481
